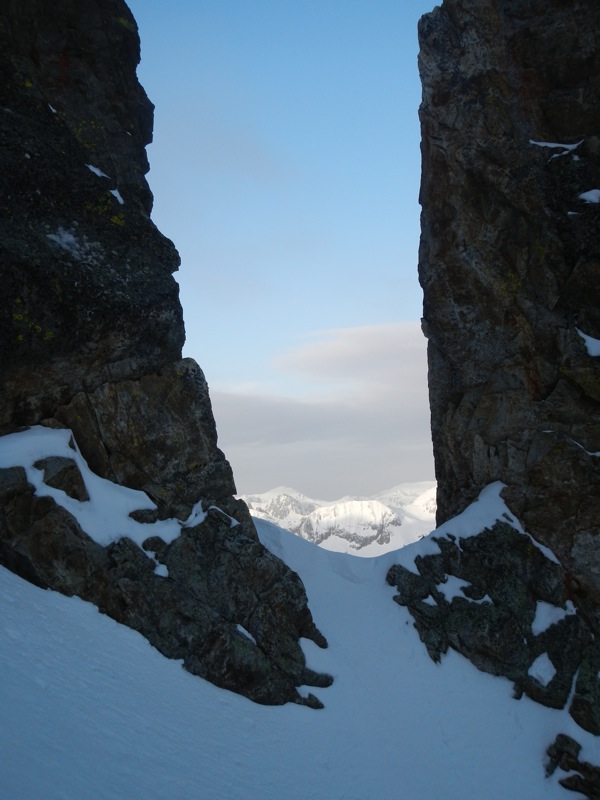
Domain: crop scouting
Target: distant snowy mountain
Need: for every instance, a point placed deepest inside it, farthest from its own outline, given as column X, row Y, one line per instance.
column 365, row 526
column 420, row 496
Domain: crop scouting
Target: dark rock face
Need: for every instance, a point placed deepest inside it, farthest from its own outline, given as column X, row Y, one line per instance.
column 511, row 607
column 89, row 295
column 91, row 332
column 510, row 265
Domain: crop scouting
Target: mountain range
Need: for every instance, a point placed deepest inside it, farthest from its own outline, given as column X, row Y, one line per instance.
column 365, row 526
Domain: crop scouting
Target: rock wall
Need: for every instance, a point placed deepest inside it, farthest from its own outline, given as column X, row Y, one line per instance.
column 510, row 265
column 91, row 333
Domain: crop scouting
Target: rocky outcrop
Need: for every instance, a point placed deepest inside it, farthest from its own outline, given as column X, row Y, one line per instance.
column 503, row 602
column 582, row 777
column 212, row 597
column 510, row 265
column 91, row 333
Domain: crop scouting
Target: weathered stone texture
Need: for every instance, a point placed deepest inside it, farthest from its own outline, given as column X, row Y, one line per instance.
column 91, row 332
column 492, row 619
column 156, row 433
column 510, row 264
column 88, row 292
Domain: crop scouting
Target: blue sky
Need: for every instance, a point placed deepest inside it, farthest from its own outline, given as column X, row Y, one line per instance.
column 285, row 167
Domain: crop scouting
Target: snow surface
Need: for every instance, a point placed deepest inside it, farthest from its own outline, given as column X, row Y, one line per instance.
column 452, row 587
column 90, row 711
column 593, row 196
column 593, row 345
column 245, row 633
column 566, row 148
column 594, row 454
column 97, row 171
column 556, row 145
column 542, row 669
column 547, row 615
column 117, row 195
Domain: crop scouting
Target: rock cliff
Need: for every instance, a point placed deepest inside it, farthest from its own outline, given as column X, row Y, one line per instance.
column 91, row 333
column 509, row 263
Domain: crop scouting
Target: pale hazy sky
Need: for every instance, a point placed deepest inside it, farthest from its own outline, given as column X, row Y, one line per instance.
column 285, row 167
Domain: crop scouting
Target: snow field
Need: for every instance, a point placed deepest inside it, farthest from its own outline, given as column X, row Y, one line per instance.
column 90, row 711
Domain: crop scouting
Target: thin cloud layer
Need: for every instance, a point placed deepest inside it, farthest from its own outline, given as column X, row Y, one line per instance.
column 363, row 426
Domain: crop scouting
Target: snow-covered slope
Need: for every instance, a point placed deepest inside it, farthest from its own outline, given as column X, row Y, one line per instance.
column 90, row 711
column 363, row 526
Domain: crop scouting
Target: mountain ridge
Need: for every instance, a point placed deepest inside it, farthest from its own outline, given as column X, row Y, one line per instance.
column 365, row 526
